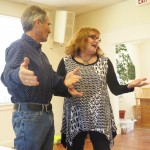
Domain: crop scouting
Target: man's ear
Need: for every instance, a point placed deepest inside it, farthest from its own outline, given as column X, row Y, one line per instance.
column 37, row 22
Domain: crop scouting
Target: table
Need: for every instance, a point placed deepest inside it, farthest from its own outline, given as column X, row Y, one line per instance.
column 145, row 91
column 145, row 111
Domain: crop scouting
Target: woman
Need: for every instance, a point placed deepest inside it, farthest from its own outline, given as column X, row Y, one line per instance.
column 91, row 114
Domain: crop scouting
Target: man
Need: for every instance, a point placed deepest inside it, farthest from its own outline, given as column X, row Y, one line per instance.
column 31, row 81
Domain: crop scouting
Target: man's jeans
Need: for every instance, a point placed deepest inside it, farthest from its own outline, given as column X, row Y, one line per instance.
column 34, row 130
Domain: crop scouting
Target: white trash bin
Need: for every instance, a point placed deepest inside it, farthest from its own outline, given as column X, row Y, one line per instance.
column 127, row 125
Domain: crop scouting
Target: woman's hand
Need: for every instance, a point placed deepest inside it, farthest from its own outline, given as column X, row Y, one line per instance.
column 138, row 83
column 74, row 92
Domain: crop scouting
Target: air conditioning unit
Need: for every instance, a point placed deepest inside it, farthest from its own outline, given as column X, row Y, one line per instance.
column 64, row 24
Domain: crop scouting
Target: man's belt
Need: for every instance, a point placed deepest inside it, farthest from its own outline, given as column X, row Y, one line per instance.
column 32, row 107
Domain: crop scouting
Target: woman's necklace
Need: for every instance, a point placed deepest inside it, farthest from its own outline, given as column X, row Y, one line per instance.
column 86, row 61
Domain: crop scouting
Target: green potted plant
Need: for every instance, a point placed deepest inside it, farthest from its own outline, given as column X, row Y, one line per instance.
column 125, row 66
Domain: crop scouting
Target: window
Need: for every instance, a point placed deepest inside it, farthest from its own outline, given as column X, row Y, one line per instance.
column 10, row 30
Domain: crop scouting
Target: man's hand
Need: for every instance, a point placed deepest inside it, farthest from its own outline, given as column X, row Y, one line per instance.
column 72, row 78
column 27, row 76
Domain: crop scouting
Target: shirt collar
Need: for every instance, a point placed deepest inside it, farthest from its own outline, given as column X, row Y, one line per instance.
column 32, row 42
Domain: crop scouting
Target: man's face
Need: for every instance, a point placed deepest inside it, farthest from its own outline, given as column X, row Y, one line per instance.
column 44, row 30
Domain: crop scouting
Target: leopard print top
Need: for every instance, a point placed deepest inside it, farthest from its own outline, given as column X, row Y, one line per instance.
column 93, row 111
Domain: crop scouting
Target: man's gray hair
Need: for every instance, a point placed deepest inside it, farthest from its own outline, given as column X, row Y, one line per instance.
column 30, row 15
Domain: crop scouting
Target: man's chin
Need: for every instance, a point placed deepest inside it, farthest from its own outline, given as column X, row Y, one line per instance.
column 44, row 40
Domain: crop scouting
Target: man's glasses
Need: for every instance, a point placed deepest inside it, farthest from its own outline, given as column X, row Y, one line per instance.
column 94, row 37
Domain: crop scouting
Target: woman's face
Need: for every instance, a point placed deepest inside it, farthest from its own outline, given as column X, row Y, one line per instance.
column 92, row 43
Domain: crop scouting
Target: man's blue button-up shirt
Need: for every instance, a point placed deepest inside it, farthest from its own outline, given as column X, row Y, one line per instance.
column 48, row 79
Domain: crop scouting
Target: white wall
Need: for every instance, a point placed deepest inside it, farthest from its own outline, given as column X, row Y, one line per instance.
column 6, row 132
column 144, row 59
column 116, row 17
column 54, row 54
column 124, row 22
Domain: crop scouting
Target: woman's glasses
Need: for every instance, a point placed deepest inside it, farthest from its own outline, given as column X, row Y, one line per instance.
column 94, row 37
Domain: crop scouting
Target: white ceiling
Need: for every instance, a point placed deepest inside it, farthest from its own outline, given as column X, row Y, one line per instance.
column 77, row 6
